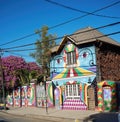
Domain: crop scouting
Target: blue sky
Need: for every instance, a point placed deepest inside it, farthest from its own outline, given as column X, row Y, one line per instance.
column 19, row 18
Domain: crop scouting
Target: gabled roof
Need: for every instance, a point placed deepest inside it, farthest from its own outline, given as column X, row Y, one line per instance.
column 87, row 35
column 90, row 34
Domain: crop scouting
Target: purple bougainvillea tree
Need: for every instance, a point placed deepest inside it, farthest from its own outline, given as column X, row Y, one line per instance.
column 34, row 70
column 18, row 72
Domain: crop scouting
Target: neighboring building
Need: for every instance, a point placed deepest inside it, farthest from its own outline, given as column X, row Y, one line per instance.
column 78, row 64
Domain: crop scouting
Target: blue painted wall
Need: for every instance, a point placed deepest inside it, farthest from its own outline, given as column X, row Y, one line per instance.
column 86, row 60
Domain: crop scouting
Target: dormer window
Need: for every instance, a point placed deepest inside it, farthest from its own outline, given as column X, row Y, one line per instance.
column 71, row 57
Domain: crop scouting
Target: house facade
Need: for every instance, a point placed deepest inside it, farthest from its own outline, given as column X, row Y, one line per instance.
column 78, row 64
column 84, row 72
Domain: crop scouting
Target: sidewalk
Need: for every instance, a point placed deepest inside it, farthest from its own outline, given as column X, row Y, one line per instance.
column 52, row 114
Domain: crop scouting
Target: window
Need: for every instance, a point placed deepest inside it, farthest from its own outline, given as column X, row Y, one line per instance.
column 71, row 58
column 72, row 91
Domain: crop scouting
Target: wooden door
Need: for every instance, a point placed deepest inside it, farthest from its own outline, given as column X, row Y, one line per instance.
column 91, row 98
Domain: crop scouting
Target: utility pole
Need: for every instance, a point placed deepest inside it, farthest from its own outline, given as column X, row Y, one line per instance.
column 2, row 79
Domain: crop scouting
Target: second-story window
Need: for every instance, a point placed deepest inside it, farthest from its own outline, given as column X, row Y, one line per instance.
column 71, row 58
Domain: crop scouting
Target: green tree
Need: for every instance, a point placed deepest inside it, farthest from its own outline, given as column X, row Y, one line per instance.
column 42, row 55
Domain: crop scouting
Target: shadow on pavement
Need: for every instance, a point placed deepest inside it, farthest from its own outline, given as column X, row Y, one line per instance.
column 14, row 108
column 103, row 117
column 2, row 120
column 2, row 108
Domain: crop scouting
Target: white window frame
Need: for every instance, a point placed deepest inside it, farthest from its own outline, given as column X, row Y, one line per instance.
column 72, row 91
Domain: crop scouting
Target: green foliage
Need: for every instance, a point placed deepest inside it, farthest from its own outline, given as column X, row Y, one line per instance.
column 32, row 74
column 42, row 55
column 23, row 75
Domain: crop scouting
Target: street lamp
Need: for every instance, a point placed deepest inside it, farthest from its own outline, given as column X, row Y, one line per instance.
column 2, row 79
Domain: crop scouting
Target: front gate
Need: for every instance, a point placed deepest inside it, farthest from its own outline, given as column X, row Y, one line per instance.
column 91, row 98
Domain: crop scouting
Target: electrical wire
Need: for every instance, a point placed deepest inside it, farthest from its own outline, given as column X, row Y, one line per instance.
column 63, row 23
column 29, row 35
column 71, row 20
column 26, row 45
column 104, row 26
column 114, row 33
column 85, row 12
column 21, row 55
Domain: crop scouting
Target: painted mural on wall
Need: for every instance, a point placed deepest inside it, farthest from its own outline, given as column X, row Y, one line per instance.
column 84, row 66
column 50, row 96
column 24, row 95
column 107, row 96
column 57, row 97
column 31, row 98
column 40, row 94
column 10, row 99
column 71, row 70
column 16, row 97
column 27, row 97
column 42, row 98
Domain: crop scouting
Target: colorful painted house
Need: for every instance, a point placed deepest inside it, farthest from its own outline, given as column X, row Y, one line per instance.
column 84, row 72
column 78, row 64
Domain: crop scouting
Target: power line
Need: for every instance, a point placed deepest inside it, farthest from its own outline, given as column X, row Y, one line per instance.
column 104, row 26
column 114, row 33
column 29, row 35
column 85, row 12
column 26, row 45
column 21, row 55
column 108, row 25
column 71, row 20
column 57, row 25
column 56, row 67
column 19, row 50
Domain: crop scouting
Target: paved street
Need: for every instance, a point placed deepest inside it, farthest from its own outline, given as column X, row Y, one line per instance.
column 55, row 115
column 5, row 117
